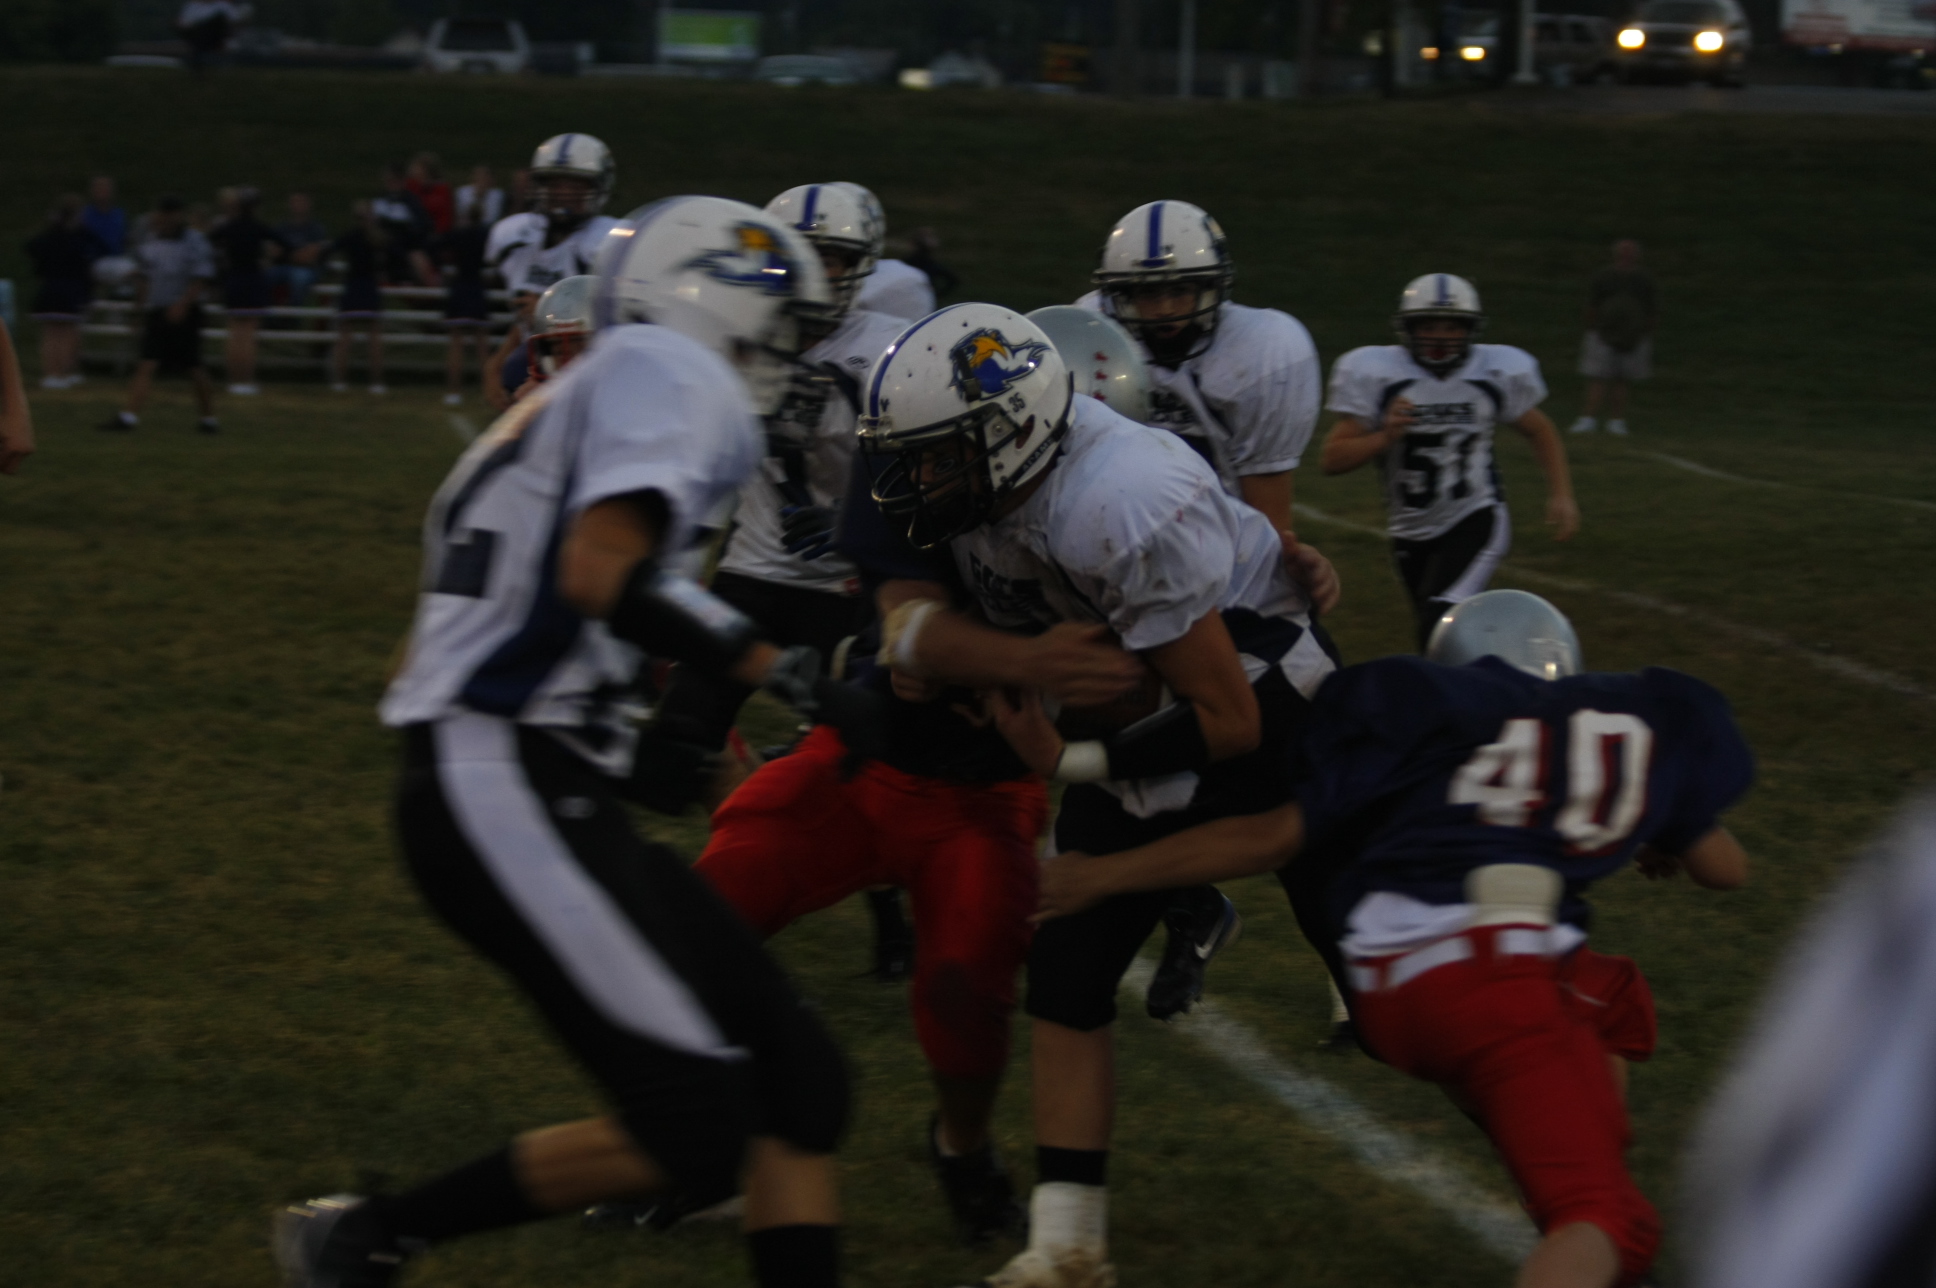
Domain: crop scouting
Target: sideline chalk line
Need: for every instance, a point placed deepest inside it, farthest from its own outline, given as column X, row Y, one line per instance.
column 1708, row 471
column 1841, row 667
column 1392, row 1156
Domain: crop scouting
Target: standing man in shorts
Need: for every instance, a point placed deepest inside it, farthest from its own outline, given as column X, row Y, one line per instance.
column 248, row 246
column 173, row 268
column 1619, row 344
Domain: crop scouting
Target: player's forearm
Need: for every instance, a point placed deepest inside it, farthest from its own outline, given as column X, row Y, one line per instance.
column 1210, row 852
column 1544, row 439
column 955, row 649
column 1203, row 669
column 1350, row 444
column 1270, row 495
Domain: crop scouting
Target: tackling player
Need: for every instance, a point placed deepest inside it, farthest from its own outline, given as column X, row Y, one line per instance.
column 1454, row 816
column 543, row 587
column 1051, row 512
column 1424, row 409
column 1241, row 385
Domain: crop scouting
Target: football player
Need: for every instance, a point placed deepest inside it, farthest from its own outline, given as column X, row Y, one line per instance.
column 1455, row 813
column 779, row 565
column 1424, row 409
column 890, row 286
column 544, row 584
column 1241, row 385
column 1051, row 513
column 561, row 327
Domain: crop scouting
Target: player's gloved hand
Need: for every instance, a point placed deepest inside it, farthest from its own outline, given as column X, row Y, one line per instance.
column 858, row 715
column 808, row 530
column 670, row 773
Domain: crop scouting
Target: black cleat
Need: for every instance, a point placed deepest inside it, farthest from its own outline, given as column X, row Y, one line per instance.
column 333, row 1243
column 893, row 937
column 209, row 425
column 660, row 1214
column 1342, row 1039
column 116, row 424
column 1202, row 923
column 979, row 1193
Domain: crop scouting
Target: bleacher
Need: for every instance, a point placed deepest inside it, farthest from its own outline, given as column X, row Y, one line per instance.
column 298, row 337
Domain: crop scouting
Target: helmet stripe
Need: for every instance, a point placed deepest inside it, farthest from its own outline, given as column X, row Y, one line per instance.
column 564, row 150
column 1445, row 290
column 813, row 208
column 1155, row 232
column 881, row 365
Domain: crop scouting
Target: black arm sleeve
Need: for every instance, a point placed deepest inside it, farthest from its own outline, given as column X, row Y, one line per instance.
column 1169, row 741
column 669, row 616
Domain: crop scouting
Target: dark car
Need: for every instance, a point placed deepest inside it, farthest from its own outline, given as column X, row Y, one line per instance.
column 1684, row 41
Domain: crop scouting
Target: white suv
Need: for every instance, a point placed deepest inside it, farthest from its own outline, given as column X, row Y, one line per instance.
column 1684, row 40
column 476, row 45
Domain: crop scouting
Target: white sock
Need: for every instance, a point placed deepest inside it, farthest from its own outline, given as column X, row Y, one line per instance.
column 1064, row 1216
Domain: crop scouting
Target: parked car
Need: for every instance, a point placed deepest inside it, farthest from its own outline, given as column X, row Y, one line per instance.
column 1581, row 43
column 1685, row 41
column 476, row 45
column 791, row 70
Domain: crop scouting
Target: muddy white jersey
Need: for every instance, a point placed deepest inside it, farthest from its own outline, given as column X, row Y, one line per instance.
column 517, row 250
column 1130, row 528
column 898, row 289
column 1442, row 470
column 811, row 453
column 645, row 409
column 1249, row 402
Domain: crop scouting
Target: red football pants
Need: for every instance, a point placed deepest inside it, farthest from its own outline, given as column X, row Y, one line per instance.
column 1523, row 1042
column 795, row 838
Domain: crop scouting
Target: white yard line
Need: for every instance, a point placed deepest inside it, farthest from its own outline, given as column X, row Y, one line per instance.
column 461, row 426
column 1708, row 471
column 1841, row 667
column 1392, row 1156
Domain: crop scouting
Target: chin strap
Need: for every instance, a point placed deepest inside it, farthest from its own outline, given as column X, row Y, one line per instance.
column 1167, row 742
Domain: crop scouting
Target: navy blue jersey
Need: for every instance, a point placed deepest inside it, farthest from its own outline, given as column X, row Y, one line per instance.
column 1421, row 773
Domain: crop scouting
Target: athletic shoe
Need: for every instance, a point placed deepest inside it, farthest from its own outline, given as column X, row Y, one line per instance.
column 1584, row 425
column 1202, row 923
column 338, row 387
column 1342, row 1038
column 657, row 1216
column 118, row 422
column 979, row 1193
column 453, row 400
column 1069, row 1268
column 893, row 937
column 245, row 391
column 327, row 1243
column 1617, row 427
column 209, row 425
column 53, row 382
column 379, row 389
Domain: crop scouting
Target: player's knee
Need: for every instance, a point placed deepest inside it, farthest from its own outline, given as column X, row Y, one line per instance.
column 804, row 1086
column 700, row 1141
column 962, row 1016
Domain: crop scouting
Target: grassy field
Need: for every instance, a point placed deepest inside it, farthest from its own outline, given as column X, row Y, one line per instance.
column 217, row 992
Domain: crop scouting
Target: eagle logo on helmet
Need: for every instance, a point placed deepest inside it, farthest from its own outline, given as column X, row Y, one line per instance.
column 759, row 260
column 986, row 363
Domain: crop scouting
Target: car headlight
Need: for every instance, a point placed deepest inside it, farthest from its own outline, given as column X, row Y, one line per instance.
column 1709, row 42
column 1473, row 53
column 1632, row 38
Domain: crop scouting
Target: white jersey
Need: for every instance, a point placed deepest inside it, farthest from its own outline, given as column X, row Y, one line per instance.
column 1249, row 402
column 824, row 466
column 1442, row 470
column 645, row 409
column 1131, row 528
column 897, row 289
column 516, row 248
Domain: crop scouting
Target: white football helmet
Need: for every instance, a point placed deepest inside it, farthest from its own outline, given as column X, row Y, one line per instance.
column 1159, row 244
column 1515, row 626
column 1102, row 359
column 572, row 156
column 1439, row 296
column 842, row 219
column 562, row 313
column 720, row 272
column 969, row 403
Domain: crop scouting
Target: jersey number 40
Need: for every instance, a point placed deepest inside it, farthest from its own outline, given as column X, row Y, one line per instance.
column 1607, row 755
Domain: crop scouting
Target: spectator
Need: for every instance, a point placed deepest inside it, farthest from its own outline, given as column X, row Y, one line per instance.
column 482, row 193
column 16, row 423
column 207, row 26
column 406, row 229
column 306, row 240
column 172, row 270
column 365, row 249
column 248, row 247
column 1619, row 345
column 519, row 200
column 467, row 308
column 63, row 254
column 109, row 222
column 426, row 183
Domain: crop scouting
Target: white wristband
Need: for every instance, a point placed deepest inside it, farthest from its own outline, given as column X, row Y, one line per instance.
column 899, row 632
column 1082, row 762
